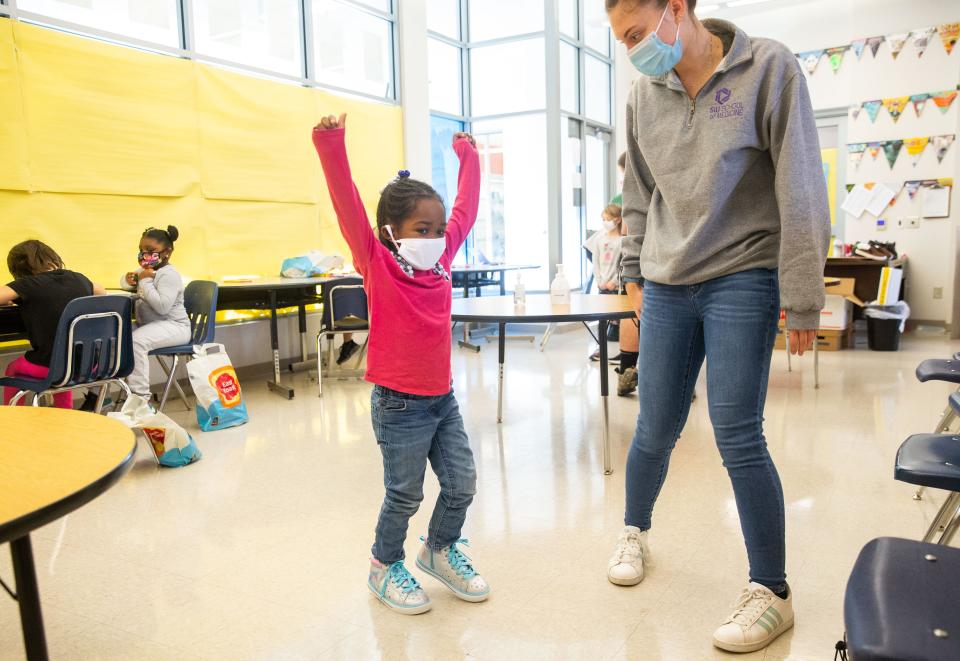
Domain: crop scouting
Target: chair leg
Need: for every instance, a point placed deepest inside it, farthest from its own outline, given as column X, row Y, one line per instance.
column 546, row 336
column 786, row 335
column 166, row 386
column 319, row 365
column 948, row 508
column 816, row 364
column 100, row 398
column 15, row 400
column 36, row 399
column 176, row 384
column 950, row 530
column 362, row 353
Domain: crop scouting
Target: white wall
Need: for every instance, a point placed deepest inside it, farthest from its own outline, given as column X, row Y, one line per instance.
column 813, row 24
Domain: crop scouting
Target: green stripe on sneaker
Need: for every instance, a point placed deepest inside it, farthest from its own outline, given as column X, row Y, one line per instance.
column 768, row 628
column 776, row 614
column 769, row 619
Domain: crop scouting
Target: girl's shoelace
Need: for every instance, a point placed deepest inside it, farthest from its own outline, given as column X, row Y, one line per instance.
column 403, row 579
column 460, row 561
column 748, row 607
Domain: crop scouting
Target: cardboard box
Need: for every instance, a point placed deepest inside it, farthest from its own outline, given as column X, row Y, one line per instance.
column 827, row 340
column 837, row 313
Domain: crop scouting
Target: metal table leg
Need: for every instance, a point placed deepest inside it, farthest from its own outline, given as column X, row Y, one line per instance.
column 275, row 385
column 502, row 350
column 465, row 343
column 503, row 284
column 28, row 597
column 816, row 363
column 604, row 391
column 303, row 363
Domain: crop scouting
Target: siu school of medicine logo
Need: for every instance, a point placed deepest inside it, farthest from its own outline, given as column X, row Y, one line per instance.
column 724, row 106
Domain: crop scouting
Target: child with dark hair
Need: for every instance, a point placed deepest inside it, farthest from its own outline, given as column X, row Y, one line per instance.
column 42, row 287
column 406, row 272
column 161, row 317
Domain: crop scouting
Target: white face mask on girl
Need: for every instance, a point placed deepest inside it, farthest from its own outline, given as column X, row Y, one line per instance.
column 421, row 254
column 609, row 225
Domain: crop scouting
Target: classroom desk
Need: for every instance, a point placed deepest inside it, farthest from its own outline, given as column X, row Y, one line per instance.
column 478, row 275
column 52, row 461
column 538, row 310
column 866, row 271
column 273, row 294
column 11, row 324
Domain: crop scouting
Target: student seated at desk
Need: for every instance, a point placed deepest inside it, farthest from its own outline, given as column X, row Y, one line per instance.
column 42, row 287
column 161, row 317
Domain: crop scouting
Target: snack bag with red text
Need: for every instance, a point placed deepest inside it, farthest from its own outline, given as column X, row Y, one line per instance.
column 219, row 398
column 170, row 442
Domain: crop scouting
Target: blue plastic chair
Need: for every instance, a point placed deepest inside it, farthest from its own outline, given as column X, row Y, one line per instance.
column 901, row 602
column 947, row 371
column 93, row 346
column 200, row 300
column 344, row 311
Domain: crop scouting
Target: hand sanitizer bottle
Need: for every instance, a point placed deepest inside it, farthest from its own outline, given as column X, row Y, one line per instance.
column 519, row 293
column 560, row 288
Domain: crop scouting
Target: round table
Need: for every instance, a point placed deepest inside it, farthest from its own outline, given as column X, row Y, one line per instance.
column 538, row 309
column 52, row 461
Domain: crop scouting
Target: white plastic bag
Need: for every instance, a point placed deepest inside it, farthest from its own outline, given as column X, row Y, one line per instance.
column 313, row 263
column 214, row 382
column 899, row 310
column 171, row 443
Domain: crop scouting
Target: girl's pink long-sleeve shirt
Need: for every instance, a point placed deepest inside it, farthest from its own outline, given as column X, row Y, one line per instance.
column 410, row 336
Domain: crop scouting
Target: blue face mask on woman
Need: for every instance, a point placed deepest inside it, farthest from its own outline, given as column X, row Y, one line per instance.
column 651, row 56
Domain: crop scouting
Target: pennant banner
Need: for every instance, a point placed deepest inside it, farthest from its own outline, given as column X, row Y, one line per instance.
column 912, row 188
column 855, row 153
column 835, row 56
column 874, row 44
column 915, row 147
column 897, row 41
column 919, row 101
column 857, row 46
column 941, row 144
column 850, row 187
column 872, row 108
column 873, row 148
column 810, row 59
column 944, row 100
column 921, row 39
column 855, row 111
column 949, row 33
column 892, row 149
column 895, row 106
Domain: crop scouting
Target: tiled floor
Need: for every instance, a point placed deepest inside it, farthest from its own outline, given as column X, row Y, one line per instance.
column 260, row 550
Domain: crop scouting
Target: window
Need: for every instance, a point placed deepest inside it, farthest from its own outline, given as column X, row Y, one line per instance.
column 148, row 20
column 597, row 75
column 570, row 17
column 493, row 19
column 569, row 78
column 596, row 27
column 265, row 35
column 444, row 65
column 572, row 228
column 380, row 5
column 512, row 222
column 508, row 77
column 445, row 166
column 443, row 17
column 352, row 48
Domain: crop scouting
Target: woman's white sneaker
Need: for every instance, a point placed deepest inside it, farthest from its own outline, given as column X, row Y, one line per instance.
column 758, row 618
column 453, row 568
column 626, row 564
column 397, row 588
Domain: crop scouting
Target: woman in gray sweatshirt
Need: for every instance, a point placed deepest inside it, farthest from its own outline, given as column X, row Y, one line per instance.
column 726, row 211
column 161, row 316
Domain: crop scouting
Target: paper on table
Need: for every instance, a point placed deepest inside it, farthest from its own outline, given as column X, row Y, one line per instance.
column 882, row 194
column 856, row 200
column 936, row 202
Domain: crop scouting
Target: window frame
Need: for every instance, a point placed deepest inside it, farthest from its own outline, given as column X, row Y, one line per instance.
column 187, row 43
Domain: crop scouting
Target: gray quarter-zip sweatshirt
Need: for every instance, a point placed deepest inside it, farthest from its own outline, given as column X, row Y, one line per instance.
column 731, row 180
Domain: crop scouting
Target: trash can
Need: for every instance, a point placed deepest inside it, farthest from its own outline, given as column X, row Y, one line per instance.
column 883, row 334
column 885, row 324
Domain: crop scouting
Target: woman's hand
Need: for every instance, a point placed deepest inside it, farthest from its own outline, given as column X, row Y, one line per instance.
column 147, row 274
column 635, row 296
column 131, row 279
column 331, row 122
column 465, row 136
column 802, row 341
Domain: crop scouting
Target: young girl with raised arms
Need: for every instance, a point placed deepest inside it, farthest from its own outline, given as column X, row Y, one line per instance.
column 406, row 272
